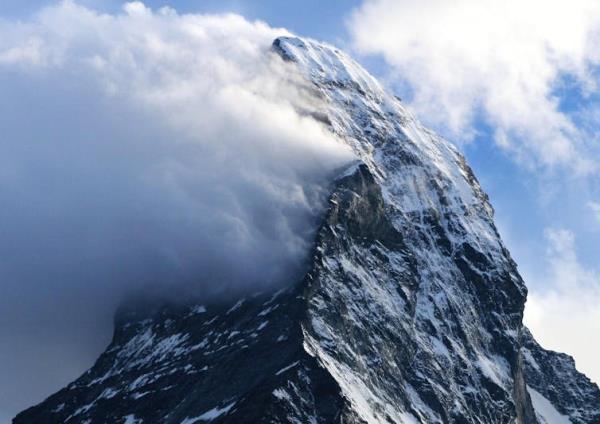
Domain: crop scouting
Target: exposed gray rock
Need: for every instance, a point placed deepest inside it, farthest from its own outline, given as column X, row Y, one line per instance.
column 554, row 376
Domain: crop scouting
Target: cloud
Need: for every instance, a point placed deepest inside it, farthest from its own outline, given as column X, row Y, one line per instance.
column 563, row 307
column 595, row 208
column 509, row 63
column 140, row 149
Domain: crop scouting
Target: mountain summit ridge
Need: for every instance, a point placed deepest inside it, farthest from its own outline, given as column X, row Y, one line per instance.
column 411, row 311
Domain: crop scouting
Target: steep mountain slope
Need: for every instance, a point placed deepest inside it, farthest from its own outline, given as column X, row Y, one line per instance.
column 553, row 376
column 411, row 310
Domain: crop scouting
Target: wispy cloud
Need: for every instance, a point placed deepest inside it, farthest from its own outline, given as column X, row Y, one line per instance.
column 508, row 63
column 139, row 149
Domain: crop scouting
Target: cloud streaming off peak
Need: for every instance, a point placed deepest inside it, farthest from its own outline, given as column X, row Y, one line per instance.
column 146, row 147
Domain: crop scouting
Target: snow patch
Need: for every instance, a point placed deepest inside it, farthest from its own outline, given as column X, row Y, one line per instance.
column 289, row 367
column 131, row 419
column 546, row 412
column 235, row 307
column 210, row 415
column 198, row 309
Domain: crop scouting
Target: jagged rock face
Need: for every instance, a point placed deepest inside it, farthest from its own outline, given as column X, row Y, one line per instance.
column 411, row 310
column 553, row 375
column 178, row 364
column 416, row 309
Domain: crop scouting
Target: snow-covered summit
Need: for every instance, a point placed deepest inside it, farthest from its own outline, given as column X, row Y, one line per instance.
column 354, row 94
column 419, row 171
column 326, row 64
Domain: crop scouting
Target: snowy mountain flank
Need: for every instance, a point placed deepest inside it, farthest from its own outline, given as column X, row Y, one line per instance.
column 411, row 311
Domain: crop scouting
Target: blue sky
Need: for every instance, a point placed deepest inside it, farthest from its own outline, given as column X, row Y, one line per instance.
column 526, row 119
column 320, row 19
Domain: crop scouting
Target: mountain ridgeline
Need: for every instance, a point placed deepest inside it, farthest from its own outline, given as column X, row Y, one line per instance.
column 411, row 310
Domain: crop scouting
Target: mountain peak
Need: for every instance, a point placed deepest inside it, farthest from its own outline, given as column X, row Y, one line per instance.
column 411, row 311
column 325, row 64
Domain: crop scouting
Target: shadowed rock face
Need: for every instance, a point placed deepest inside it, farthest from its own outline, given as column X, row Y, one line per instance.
column 555, row 377
column 411, row 310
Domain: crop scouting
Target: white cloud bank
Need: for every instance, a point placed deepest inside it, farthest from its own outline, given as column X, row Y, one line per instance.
column 178, row 134
column 563, row 309
column 503, row 61
column 145, row 147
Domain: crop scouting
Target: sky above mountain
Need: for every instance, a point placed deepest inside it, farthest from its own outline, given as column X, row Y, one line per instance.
column 513, row 84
